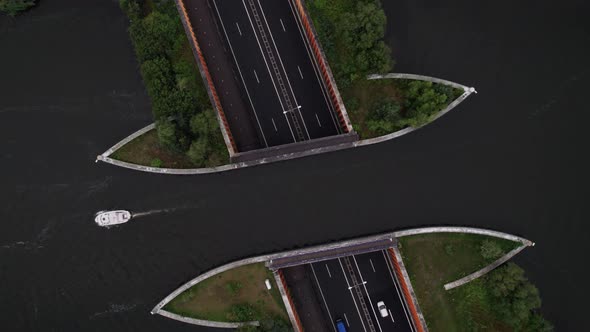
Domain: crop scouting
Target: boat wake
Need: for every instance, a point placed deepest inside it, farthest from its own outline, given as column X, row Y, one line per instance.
column 151, row 212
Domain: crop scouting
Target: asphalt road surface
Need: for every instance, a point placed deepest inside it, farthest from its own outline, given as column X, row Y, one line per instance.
column 510, row 158
column 352, row 283
column 276, row 69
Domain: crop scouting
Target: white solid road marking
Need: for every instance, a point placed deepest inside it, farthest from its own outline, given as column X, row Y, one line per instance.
column 283, row 66
column 282, row 24
column 316, row 117
column 390, row 315
column 353, row 300
column 373, row 266
column 327, row 269
column 274, row 124
column 255, row 74
column 300, row 73
column 314, row 63
column 390, row 269
column 346, row 319
column 367, row 292
column 239, row 71
column 323, row 298
column 239, row 30
column 268, row 68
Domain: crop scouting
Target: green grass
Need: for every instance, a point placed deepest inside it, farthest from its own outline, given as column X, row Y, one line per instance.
column 435, row 259
column 146, row 150
column 219, row 298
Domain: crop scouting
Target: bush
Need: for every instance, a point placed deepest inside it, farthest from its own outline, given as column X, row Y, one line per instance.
column 385, row 118
column 167, row 133
column 156, row 162
column 422, row 102
column 13, row 7
column 199, row 151
column 516, row 298
column 243, row 312
column 490, row 249
column 233, row 287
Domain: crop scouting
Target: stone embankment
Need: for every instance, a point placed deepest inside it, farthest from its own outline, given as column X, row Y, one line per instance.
column 467, row 91
column 412, row 300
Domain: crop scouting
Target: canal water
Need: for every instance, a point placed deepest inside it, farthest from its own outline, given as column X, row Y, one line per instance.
column 512, row 158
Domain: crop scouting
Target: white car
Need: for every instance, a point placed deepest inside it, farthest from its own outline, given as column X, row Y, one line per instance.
column 382, row 309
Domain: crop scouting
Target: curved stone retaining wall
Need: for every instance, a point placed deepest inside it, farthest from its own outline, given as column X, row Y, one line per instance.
column 485, row 270
column 470, row 230
column 158, row 308
column 204, row 322
column 466, row 230
column 127, row 140
column 194, row 171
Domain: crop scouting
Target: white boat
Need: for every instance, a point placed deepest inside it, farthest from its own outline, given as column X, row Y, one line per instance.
column 110, row 218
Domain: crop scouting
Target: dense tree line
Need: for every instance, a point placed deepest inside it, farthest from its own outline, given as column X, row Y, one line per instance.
column 13, row 7
column 184, row 117
column 420, row 102
column 351, row 33
column 516, row 300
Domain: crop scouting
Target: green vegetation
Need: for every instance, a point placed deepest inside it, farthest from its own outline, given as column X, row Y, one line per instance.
column 380, row 107
column 503, row 300
column 147, row 150
column 236, row 295
column 185, row 121
column 351, row 33
column 13, row 7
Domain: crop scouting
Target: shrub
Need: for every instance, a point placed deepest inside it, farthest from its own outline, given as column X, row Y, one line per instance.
column 13, row 7
column 243, row 312
column 156, row 162
column 490, row 249
column 167, row 133
column 385, row 118
column 233, row 287
column 199, row 151
column 516, row 298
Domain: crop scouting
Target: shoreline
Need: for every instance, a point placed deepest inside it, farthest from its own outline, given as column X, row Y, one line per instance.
column 467, row 91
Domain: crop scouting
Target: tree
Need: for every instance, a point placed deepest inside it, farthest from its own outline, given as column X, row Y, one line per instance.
column 517, row 298
column 167, row 133
column 490, row 249
column 13, row 7
column 361, row 33
column 384, row 118
column 537, row 323
column 131, row 9
column 199, row 151
column 158, row 76
column 422, row 102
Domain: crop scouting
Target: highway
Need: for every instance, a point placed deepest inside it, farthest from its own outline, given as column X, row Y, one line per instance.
column 277, row 71
column 351, row 287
